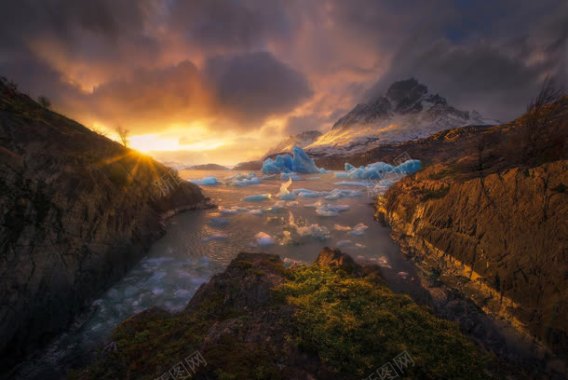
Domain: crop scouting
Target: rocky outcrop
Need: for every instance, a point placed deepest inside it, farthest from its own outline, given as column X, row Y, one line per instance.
column 259, row 320
column 76, row 212
column 248, row 165
column 493, row 218
column 208, row 167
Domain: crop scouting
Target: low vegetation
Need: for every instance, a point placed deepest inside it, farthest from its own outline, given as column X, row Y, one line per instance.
column 321, row 320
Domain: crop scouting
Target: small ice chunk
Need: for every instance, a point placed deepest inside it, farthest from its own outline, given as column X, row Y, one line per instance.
column 277, row 207
column 292, row 176
column 264, row 239
column 257, row 198
column 383, row 261
column 344, row 243
column 307, row 193
column 207, row 181
column 218, row 222
column 284, row 193
column 256, row 211
column 358, row 230
column 313, row 230
column 340, row 227
column 241, row 180
column 340, row 193
column 232, row 211
column 353, row 183
column 331, row 210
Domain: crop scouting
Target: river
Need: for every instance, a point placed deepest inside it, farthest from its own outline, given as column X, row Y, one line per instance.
column 326, row 211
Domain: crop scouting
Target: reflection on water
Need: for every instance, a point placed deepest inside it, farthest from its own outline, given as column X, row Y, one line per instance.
column 201, row 243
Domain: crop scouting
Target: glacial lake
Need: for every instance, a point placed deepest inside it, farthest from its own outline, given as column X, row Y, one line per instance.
column 325, row 211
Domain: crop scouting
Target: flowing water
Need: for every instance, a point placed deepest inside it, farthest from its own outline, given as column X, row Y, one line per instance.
column 199, row 244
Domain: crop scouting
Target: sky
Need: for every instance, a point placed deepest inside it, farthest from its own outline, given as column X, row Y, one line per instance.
column 222, row 81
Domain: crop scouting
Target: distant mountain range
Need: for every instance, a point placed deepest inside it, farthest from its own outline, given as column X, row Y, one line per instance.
column 407, row 111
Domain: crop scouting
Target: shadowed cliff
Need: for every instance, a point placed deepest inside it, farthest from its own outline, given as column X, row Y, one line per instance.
column 76, row 211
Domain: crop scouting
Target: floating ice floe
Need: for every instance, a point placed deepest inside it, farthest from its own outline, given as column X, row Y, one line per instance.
column 331, row 210
column 257, row 198
column 340, row 227
column 344, row 244
column 340, row 193
column 264, row 239
column 315, row 231
column 379, row 170
column 358, row 230
column 207, row 181
column 306, row 193
column 277, row 207
column 284, row 193
column 232, row 211
column 353, row 183
column 298, row 162
column 218, row 222
column 292, row 176
column 241, row 180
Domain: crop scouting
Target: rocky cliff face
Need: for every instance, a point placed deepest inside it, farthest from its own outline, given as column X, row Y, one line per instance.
column 76, row 211
column 492, row 209
column 334, row 319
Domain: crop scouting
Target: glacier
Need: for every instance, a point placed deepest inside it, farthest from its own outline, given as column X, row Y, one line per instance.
column 298, row 162
column 379, row 170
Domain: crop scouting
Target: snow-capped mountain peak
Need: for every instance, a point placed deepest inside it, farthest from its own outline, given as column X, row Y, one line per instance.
column 406, row 111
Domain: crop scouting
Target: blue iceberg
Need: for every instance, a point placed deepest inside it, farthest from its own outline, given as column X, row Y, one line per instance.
column 257, row 198
column 379, row 170
column 241, row 180
column 298, row 162
column 207, row 181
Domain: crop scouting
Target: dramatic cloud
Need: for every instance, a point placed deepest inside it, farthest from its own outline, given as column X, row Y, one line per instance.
column 224, row 73
column 254, row 86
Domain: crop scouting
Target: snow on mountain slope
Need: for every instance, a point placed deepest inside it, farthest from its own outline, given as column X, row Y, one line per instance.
column 406, row 112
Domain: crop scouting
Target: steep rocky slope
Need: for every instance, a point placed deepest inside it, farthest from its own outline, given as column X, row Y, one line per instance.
column 407, row 111
column 258, row 320
column 76, row 211
column 490, row 214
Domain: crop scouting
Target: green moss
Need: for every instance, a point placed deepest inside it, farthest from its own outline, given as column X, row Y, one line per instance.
column 356, row 326
column 350, row 325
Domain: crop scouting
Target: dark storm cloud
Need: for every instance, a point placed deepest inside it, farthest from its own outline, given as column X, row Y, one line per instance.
column 252, row 86
column 495, row 61
column 131, row 61
column 229, row 25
